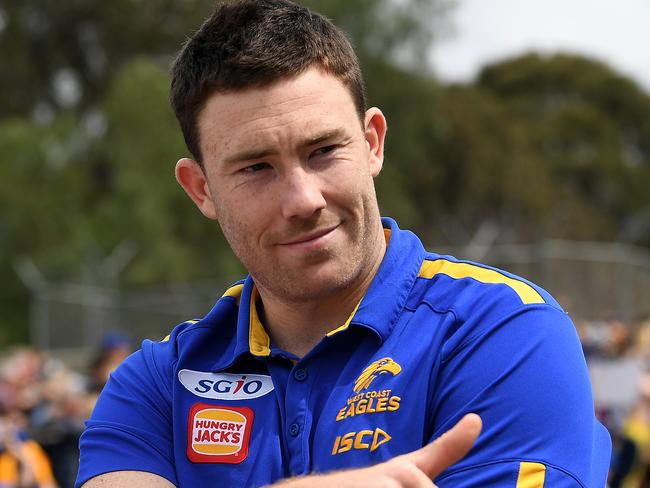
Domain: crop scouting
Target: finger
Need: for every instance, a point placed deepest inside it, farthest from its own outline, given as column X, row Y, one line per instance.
column 450, row 447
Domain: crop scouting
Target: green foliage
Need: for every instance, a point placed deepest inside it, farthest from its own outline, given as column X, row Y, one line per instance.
column 142, row 144
column 590, row 128
column 485, row 170
column 409, row 103
column 86, row 42
column 397, row 30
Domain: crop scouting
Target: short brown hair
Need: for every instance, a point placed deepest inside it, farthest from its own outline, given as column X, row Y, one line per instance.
column 252, row 43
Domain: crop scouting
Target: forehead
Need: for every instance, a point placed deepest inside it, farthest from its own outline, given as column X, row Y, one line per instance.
column 310, row 102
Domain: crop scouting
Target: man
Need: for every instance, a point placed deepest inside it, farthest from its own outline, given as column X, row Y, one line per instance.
column 349, row 349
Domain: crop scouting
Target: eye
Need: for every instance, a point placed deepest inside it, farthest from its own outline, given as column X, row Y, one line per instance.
column 324, row 150
column 255, row 168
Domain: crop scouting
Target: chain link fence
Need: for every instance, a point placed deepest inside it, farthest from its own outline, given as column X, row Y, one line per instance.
column 591, row 280
column 70, row 320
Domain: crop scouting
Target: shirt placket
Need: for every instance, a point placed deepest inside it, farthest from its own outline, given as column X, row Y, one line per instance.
column 298, row 417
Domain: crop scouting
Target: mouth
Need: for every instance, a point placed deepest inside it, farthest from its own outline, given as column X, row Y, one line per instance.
column 310, row 238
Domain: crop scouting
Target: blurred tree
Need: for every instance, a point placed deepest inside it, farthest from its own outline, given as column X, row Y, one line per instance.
column 590, row 128
column 397, row 31
column 483, row 172
column 42, row 197
column 64, row 54
column 409, row 102
column 142, row 144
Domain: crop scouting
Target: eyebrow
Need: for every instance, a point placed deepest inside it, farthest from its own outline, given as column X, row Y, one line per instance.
column 251, row 154
column 317, row 139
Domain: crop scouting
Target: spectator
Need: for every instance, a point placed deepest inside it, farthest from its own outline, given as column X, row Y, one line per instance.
column 22, row 461
column 43, row 406
column 115, row 348
column 632, row 458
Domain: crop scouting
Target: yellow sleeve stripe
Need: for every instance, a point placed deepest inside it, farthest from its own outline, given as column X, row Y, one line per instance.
column 531, row 475
column 234, row 291
column 429, row 269
column 194, row 321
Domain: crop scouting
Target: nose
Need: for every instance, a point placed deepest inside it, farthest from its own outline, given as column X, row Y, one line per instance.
column 303, row 194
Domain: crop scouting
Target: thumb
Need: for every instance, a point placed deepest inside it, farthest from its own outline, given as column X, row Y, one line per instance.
column 450, row 447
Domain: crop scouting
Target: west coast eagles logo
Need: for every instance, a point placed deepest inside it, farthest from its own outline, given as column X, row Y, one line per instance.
column 381, row 366
column 365, row 401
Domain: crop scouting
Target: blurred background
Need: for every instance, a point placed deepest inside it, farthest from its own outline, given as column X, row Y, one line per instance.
column 519, row 136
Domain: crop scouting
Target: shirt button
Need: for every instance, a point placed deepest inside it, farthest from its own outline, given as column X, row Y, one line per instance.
column 294, row 429
column 300, row 374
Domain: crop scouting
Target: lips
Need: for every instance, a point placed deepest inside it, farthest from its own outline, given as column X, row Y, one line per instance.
column 306, row 238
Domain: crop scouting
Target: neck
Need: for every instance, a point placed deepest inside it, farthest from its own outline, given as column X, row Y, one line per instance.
column 297, row 326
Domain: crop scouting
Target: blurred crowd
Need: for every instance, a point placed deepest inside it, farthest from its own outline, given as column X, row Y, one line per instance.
column 618, row 356
column 44, row 403
column 43, row 406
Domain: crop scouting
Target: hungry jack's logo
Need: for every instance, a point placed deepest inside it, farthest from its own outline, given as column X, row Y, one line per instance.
column 218, row 434
column 381, row 366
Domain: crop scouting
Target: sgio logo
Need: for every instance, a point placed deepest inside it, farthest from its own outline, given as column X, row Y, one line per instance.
column 225, row 386
column 364, row 439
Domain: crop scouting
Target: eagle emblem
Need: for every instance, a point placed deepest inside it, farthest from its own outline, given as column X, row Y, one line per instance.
column 381, row 366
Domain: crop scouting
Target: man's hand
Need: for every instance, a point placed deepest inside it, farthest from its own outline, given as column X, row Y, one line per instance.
column 412, row 470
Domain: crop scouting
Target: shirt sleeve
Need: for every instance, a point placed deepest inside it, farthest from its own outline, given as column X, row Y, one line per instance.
column 527, row 378
column 130, row 428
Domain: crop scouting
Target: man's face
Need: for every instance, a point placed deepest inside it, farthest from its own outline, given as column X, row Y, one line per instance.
column 289, row 176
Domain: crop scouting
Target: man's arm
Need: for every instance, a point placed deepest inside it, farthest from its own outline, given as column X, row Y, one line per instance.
column 130, row 430
column 126, row 479
column 526, row 377
column 415, row 469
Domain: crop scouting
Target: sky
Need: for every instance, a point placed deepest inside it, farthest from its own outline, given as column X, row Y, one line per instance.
column 614, row 31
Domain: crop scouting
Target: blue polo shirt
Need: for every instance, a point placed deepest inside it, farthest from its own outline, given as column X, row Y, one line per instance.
column 218, row 404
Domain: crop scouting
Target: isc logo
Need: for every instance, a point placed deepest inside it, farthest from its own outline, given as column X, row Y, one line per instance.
column 364, row 439
column 225, row 386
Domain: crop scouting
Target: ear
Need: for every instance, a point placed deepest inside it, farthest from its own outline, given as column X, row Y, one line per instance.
column 191, row 177
column 375, row 134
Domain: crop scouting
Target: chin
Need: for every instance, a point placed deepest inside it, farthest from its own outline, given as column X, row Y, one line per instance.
column 318, row 285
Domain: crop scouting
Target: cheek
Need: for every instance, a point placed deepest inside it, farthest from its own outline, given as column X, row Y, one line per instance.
column 244, row 220
column 350, row 176
column 351, row 199
column 238, row 235
column 354, row 186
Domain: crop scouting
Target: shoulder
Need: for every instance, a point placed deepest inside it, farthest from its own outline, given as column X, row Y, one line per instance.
column 157, row 359
column 469, row 300
column 131, row 424
column 508, row 352
column 466, row 289
column 223, row 315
